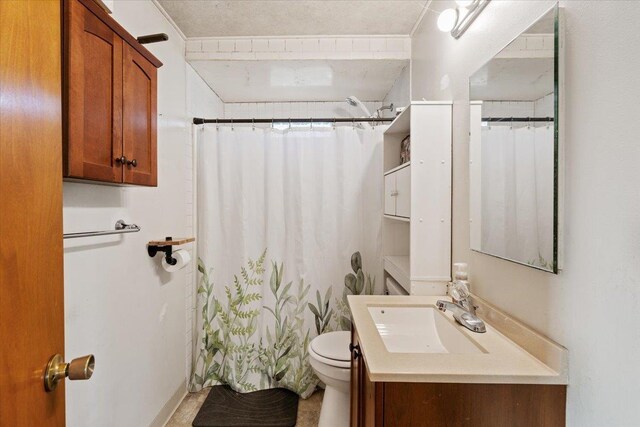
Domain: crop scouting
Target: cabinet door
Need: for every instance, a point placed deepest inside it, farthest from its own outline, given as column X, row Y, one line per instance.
column 356, row 376
column 93, row 96
column 371, row 399
column 390, row 194
column 139, row 118
column 403, row 192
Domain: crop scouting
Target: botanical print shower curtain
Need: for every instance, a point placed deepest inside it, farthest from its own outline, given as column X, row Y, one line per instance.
column 289, row 223
column 518, row 193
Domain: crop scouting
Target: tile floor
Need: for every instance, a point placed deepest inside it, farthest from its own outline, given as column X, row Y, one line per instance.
column 308, row 410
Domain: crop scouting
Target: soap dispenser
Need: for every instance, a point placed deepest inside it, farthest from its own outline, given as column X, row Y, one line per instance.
column 459, row 288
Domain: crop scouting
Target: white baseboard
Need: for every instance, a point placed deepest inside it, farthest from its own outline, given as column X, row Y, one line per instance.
column 170, row 407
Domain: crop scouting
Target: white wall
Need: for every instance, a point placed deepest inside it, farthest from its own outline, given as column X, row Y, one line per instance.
column 508, row 108
column 203, row 103
column 593, row 306
column 400, row 92
column 299, row 48
column 268, row 110
column 119, row 304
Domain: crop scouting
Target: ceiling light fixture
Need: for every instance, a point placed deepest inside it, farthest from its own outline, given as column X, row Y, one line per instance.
column 456, row 21
column 447, row 20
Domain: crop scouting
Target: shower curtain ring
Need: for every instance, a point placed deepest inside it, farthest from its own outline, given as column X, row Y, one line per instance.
column 271, row 123
column 253, row 124
column 232, row 128
column 353, row 123
column 334, row 123
column 311, row 122
column 511, row 125
column 289, row 122
column 217, row 127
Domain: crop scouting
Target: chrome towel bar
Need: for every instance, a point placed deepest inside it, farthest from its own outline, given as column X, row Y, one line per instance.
column 120, row 228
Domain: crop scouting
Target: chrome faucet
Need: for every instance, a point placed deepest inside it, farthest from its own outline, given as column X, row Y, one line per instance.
column 467, row 304
column 463, row 316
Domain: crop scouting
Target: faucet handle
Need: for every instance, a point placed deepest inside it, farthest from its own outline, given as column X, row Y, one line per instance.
column 473, row 323
column 462, row 316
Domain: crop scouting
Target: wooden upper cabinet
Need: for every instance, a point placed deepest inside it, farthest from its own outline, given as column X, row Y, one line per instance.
column 93, row 86
column 110, row 97
column 139, row 119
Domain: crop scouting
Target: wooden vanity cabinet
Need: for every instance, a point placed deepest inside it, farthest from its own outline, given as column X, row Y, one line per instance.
column 404, row 404
column 366, row 396
column 110, row 99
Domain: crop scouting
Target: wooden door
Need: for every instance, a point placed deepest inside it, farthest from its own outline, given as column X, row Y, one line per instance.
column 93, row 95
column 403, row 192
column 390, row 194
column 31, row 254
column 139, row 118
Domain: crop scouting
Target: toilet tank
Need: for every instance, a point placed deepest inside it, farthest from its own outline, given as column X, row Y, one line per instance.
column 393, row 288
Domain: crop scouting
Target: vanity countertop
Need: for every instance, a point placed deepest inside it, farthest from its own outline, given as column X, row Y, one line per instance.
column 501, row 361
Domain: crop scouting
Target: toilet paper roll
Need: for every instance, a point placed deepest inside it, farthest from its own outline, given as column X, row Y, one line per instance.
column 183, row 258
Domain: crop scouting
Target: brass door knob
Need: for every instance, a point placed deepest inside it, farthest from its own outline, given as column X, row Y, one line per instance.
column 122, row 160
column 80, row 368
column 133, row 163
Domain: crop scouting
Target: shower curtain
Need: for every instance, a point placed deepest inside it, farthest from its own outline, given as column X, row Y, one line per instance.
column 289, row 223
column 517, row 193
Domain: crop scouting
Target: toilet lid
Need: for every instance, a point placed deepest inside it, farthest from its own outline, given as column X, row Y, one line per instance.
column 333, row 345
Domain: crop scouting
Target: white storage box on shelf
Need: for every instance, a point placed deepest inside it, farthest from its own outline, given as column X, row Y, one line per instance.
column 417, row 199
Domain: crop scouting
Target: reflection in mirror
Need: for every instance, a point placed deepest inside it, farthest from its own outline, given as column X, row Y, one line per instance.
column 513, row 150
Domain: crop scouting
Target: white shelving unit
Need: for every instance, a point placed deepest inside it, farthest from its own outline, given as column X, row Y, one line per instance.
column 417, row 213
column 397, row 192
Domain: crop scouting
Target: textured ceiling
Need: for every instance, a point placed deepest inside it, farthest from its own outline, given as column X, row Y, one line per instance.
column 208, row 18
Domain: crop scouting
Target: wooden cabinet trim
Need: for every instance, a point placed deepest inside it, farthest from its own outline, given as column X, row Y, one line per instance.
column 120, row 31
column 355, row 404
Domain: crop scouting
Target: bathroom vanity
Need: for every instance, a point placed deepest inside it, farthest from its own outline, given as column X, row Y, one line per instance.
column 413, row 365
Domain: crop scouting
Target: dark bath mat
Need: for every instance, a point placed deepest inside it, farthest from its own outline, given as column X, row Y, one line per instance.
column 224, row 407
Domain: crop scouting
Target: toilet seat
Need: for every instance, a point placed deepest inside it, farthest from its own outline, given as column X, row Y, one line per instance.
column 332, row 349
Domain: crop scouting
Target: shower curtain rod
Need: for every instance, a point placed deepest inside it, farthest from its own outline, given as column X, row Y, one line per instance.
column 201, row 121
column 517, row 119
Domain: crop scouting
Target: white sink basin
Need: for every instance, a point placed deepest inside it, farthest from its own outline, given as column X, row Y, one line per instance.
column 419, row 330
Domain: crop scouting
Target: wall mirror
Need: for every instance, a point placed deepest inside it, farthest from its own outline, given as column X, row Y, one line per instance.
column 514, row 149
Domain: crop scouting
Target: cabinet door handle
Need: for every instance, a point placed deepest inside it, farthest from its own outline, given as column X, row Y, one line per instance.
column 355, row 350
column 122, row 160
column 133, row 163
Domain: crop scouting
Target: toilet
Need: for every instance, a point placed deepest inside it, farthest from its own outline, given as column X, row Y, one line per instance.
column 330, row 358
